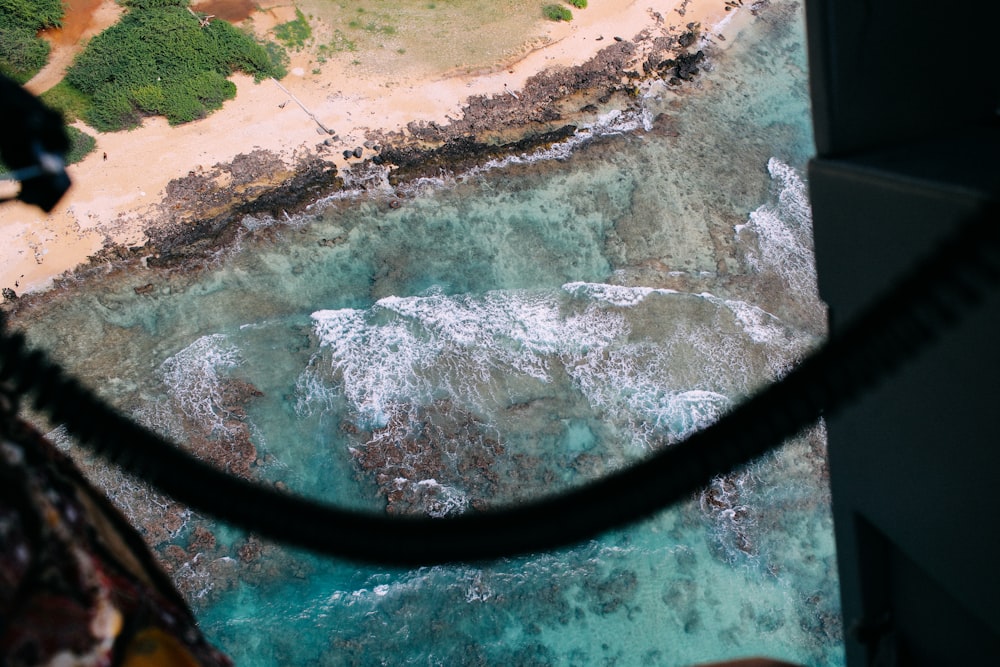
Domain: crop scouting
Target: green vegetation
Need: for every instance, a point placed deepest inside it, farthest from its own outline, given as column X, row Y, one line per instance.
column 557, row 13
column 579, row 4
column 278, row 57
column 22, row 52
column 160, row 60
column 373, row 27
column 294, row 33
column 66, row 99
column 446, row 35
column 152, row 4
column 80, row 144
column 338, row 43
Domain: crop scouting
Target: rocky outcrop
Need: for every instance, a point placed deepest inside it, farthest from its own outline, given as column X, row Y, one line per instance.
column 459, row 154
column 201, row 211
column 440, row 460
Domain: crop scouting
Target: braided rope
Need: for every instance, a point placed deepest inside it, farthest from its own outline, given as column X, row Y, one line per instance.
column 930, row 299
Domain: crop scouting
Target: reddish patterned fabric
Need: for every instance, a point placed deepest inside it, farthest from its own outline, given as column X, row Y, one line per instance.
column 77, row 584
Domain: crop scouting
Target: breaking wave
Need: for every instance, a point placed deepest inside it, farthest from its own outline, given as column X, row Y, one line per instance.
column 479, row 351
column 193, row 381
column 783, row 231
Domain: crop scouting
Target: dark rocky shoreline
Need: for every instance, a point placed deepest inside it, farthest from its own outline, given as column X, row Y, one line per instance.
column 201, row 212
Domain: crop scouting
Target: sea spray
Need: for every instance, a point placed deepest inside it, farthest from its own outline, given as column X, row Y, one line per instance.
column 192, row 377
column 471, row 349
column 777, row 239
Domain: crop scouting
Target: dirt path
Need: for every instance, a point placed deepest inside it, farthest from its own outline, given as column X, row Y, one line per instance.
column 83, row 20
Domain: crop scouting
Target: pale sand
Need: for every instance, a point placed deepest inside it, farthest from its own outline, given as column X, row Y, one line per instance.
column 109, row 198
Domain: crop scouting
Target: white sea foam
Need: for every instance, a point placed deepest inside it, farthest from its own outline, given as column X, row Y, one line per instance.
column 615, row 295
column 615, row 122
column 784, row 241
column 440, row 500
column 718, row 27
column 253, row 223
column 672, row 416
column 192, row 379
column 478, row 590
column 366, row 176
column 633, row 385
column 406, row 351
column 759, row 325
column 363, row 179
column 313, row 394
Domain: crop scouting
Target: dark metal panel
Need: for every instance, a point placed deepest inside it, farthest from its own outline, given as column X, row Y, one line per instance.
column 905, row 98
column 885, row 72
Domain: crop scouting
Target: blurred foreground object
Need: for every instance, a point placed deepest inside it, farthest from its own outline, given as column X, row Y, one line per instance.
column 33, row 144
column 913, row 468
column 77, row 584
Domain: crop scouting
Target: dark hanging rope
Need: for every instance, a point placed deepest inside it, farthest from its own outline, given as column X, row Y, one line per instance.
column 931, row 298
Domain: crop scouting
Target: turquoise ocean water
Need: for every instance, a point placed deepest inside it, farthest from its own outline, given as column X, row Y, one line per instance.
column 518, row 329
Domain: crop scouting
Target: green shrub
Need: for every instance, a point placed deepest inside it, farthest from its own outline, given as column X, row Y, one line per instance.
column 557, row 13
column 22, row 52
column 149, row 99
column 112, row 110
column 66, row 99
column 183, row 108
column 153, row 4
column 81, row 144
column 278, row 59
column 36, row 14
column 162, row 61
column 294, row 33
column 212, row 89
column 579, row 4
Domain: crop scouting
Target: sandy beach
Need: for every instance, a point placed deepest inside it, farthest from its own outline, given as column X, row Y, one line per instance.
column 112, row 197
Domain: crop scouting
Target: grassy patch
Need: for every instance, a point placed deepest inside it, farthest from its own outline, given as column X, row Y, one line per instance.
column 373, row 27
column 579, row 4
column 452, row 34
column 67, row 100
column 81, row 145
column 557, row 13
column 294, row 34
column 339, row 43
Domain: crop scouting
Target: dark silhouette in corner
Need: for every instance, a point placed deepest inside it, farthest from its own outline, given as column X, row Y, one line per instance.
column 906, row 98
